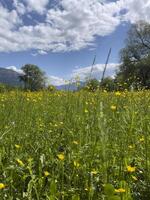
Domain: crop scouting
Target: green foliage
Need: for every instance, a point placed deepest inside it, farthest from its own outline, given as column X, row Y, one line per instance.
column 33, row 78
column 7, row 88
column 51, row 88
column 108, row 84
column 2, row 88
column 92, row 85
column 135, row 57
column 109, row 190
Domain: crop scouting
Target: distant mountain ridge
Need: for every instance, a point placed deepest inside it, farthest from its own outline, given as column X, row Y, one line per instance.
column 72, row 86
column 9, row 77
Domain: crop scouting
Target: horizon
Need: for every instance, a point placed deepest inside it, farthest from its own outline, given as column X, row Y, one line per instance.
column 62, row 37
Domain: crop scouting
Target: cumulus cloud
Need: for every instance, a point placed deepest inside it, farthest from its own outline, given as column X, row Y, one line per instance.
column 85, row 72
column 70, row 25
column 57, row 81
column 14, row 68
column 38, row 5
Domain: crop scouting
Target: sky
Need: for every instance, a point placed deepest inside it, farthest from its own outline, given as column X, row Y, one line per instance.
column 63, row 36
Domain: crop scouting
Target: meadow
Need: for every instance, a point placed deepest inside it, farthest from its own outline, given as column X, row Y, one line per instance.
column 75, row 145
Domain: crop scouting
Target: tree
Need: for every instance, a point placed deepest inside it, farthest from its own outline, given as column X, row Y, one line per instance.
column 135, row 57
column 32, row 77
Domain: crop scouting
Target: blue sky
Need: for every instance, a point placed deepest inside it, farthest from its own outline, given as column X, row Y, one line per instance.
column 62, row 37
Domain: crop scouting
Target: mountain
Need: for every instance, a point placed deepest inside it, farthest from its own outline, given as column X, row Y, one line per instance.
column 9, row 77
column 71, row 86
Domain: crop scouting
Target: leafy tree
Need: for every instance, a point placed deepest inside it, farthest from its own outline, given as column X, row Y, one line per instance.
column 135, row 57
column 33, row 77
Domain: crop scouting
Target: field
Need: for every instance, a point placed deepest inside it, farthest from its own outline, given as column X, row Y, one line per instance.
column 75, row 146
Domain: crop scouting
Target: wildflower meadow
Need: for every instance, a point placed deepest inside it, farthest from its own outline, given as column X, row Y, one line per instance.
column 75, row 145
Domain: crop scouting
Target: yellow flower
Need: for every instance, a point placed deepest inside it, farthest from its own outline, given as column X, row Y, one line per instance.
column 75, row 142
column 61, row 156
column 120, row 190
column 113, row 107
column 141, row 139
column 20, row 162
column 131, row 146
column 94, row 172
column 117, row 93
column 46, row 173
column 131, row 169
column 76, row 164
column 2, row 186
column 134, row 178
column 17, row 146
column 86, row 111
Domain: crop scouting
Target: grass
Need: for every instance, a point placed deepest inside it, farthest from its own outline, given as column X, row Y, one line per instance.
column 75, row 146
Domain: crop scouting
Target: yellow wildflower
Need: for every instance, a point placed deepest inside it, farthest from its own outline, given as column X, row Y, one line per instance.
column 120, row 190
column 2, row 186
column 76, row 164
column 131, row 169
column 117, row 93
column 94, row 172
column 141, row 139
column 134, row 178
column 20, row 162
column 61, row 156
column 46, row 173
column 75, row 142
column 131, row 146
column 17, row 146
column 113, row 107
column 86, row 111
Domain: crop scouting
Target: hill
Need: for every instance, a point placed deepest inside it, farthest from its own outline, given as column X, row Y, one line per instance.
column 71, row 86
column 9, row 77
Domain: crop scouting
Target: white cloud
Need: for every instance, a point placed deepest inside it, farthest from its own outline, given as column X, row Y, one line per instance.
column 138, row 10
column 85, row 72
column 54, row 80
column 71, row 25
column 36, row 5
column 15, row 69
column 42, row 52
column 20, row 7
